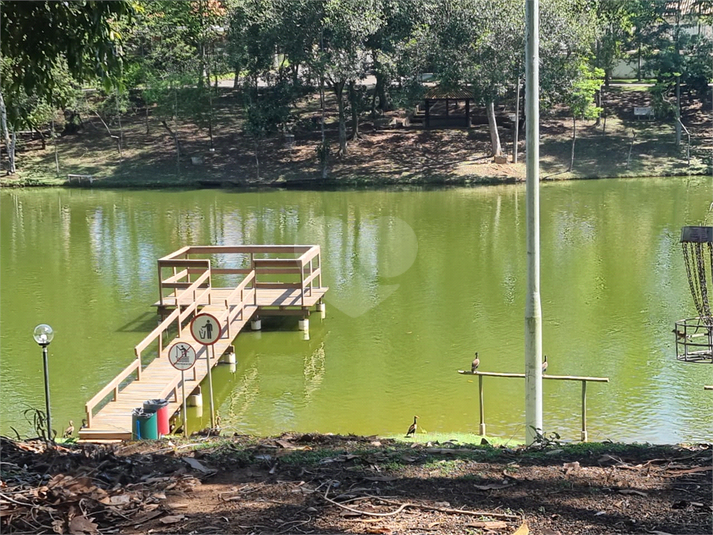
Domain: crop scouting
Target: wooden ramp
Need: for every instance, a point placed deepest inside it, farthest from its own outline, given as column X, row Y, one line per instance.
column 189, row 283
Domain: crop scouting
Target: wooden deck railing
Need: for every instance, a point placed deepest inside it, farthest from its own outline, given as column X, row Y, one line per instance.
column 190, row 281
column 304, row 270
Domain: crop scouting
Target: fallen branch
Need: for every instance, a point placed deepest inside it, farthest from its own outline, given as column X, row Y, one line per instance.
column 403, row 506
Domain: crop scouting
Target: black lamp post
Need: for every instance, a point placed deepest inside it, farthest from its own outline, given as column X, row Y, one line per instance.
column 43, row 335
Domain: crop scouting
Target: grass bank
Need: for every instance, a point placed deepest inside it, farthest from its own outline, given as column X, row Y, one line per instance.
column 617, row 146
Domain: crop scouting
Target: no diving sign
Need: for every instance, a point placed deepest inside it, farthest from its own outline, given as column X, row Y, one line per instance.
column 205, row 329
column 182, row 356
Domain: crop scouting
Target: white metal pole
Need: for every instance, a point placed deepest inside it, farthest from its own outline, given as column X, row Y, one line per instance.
column 533, row 309
column 185, row 408
column 210, row 350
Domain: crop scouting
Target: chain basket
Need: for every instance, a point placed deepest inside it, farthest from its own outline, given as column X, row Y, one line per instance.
column 694, row 336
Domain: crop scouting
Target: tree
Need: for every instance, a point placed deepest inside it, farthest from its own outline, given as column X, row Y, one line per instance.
column 40, row 37
column 580, row 99
column 392, row 47
column 614, row 29
column 481, row 43
column 346, row 26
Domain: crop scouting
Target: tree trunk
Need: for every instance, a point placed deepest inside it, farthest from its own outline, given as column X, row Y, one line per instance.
column 11, row 152
column 295, row 74
column 6, row 135
column 380, row 91
column 355, row 110
column 323, row 153
column 236, row 80
column 175, row 142
column 516, row 133
column 638, row 65
column 257, row 159
column 598, row 104
column 43, row 139
column 678, row 111
column 56, row 153
column 339, row 93
column 574, row 138
column 148, row 131
column 493, row 126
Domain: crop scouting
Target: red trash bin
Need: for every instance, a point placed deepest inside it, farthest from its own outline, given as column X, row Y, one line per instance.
column 160, row 407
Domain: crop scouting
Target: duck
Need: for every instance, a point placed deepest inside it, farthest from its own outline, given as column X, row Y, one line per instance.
column 475, row 364
column 679, row 334
column 84, row 424
column 412, row 428
column 70, row 430
column 544, row 365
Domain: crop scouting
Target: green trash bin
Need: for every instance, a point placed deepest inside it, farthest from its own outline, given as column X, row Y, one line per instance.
column 144, row 425
column 160, row 407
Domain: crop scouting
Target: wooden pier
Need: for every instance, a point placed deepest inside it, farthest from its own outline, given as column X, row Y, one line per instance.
column 273, row 280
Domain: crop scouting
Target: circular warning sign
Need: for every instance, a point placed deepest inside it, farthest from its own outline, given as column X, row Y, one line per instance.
column 182, row 356
column 205, row 329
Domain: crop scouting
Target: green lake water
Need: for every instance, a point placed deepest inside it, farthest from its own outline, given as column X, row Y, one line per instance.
column 419, row 280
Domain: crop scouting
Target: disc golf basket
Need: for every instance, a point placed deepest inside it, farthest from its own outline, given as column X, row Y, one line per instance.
column 694, row 336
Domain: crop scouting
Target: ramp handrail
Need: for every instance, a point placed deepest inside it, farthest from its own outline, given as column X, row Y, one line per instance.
column 136, row 366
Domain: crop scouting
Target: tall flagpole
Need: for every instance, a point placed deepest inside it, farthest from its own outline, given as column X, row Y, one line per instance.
column 533, row 308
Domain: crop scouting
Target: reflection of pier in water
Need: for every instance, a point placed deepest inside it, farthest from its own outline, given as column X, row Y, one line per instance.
column 314, row 371
column 274, row 280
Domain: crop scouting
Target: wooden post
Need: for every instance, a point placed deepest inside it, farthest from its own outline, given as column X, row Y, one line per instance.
column 584, row 411
column 467, row 113
column 428, row 115
column 447, row 103
column 482, row 409
column 160, row 285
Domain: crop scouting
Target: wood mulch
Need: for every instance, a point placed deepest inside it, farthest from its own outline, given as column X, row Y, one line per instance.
column 337, row 484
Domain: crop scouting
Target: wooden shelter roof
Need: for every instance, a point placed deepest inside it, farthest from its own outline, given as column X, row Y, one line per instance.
column 440, row 93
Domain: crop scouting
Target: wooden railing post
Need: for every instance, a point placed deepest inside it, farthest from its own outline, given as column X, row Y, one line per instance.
column 482, row 408
column 584, row 411
column 302, row 284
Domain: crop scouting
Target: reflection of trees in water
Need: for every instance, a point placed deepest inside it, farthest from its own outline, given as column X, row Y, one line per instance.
column 314, row 371
column 243, row 397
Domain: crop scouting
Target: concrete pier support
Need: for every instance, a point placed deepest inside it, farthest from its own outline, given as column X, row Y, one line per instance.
column 303, row 324
column 256, row 324
column 229, row 357
column 195, row 399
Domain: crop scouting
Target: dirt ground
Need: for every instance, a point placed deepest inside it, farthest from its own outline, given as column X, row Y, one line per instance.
column 391, row 154
column 347, row 484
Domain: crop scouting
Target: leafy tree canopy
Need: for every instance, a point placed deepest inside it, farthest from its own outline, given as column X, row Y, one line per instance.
column 38, row 36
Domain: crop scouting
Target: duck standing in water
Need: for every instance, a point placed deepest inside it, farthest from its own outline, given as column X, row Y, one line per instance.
column 70, row 430
column 412, row 428
column 544, row 365
column 475, row 363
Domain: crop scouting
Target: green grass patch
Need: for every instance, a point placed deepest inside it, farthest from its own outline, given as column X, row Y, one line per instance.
column 455, row 439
